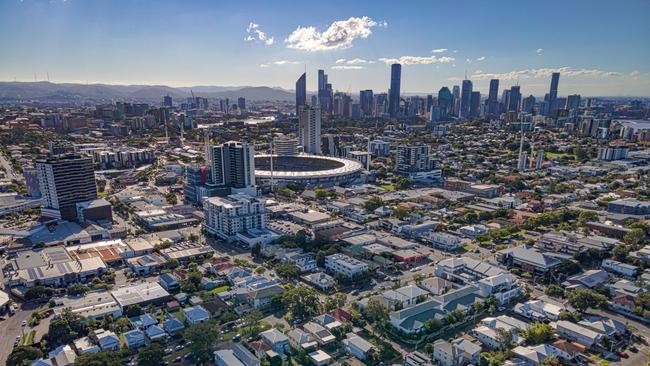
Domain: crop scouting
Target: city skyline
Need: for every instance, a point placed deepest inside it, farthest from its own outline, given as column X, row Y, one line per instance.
column 202, row 43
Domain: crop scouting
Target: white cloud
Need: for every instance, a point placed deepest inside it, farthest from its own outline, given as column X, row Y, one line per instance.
column 480, row 58
column 455, row 78
column 347, row 67
column 340, row 61
column 545, row 73
column 339, row 35
column 285, row 62
column 439, row 50
column 264, row 65
column 468, row 61
column 417, row 60
column 539, row 51
column 255, row 33
column 635, row 73
column 357, row 61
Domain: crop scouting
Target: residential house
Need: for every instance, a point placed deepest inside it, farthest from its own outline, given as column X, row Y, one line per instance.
column 402, row 297
column 196, row 314
column 539, row 310
column 467, row 351
column 154, row 332
column 417, row 358
column 624, row 269
column 134, row 339
column 85, row 345
column 172, row 325
column 299, row 340
column 528, row 259
column 445, row 353
column 319, row 358
column 357, row 346
column 578, row 333
column 321, row 280
column 107, row 340
column 277, row 340
column 320, row 333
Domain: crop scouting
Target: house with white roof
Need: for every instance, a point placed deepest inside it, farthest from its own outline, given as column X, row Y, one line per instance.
column 357, row 346
column 578, row 333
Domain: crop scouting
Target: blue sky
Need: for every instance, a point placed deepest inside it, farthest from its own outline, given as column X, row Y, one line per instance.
column 601, row 47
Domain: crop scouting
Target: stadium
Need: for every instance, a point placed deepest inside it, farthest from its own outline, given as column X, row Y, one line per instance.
column 306, row 170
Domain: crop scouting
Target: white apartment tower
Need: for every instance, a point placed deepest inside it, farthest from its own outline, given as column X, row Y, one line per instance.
column 309, row 119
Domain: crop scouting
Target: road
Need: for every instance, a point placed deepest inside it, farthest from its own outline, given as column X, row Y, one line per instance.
column 7, row 167
column 11, row 328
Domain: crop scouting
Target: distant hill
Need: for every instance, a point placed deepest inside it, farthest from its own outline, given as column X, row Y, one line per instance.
column 46, row 91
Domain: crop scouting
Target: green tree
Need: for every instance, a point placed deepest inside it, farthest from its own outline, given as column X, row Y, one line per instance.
column 287, row 270
column 151, row 355
column 635, row 237
column 66, row 328
column 256, row 250
column 38, row 292
column 554, row 290
column 375, row 311
column 503, row 338
column 23, row 355
column 133, row 310
column 583, row 298
column 203, row 337
column 102, row 358
column 538, row 333
column 335, row 301
column 620, row 252
column 77, row 289
column 401, row 212
column 301, row 301
column 373, row 203
column 433, row 325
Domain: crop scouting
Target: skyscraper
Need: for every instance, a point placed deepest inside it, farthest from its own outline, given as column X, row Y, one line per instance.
column 365, row 99
column 167, row 101
column 515, row 99
column 241, row 103
column 555, row 80
column 493, row 95
column 475, row 104
column 528, row 104
column 456, row 93
column 309, row 119
column 232, row 165
column 465, row 98
column 394, row 92
column 445, row 103
column 65, row 181
column 301, row 91
column 324, row 92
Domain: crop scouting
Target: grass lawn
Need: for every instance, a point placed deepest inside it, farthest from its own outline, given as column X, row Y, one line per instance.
column 388, row 187
column 178, row 314
column 218, row 290
column 550, row 155
column 468, row 247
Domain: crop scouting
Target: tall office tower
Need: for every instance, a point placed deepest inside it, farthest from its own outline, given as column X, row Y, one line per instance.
column 456, row 93
column 475, row 104
column 492, row 103
column 365, row 101
column 301, row 91
column 309, row 119
column 429, row 102
column 528, row 104
column 232, row 165
column 65, row 181
column 324, row 92
column 445, row 103
column 573, row 102
column 465, row 98
column 314, row 100
column 539, row 159
column 515, row 99
column 167, row 101
column 555, row 80
column 285, row 145
column 241, row 103
column 394, row 92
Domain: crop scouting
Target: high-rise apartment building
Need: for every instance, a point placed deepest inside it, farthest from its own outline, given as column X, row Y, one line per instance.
column 241, row 103
column 301, row 91
column 394, row 92
column 225, row 217
column 309, row 120
column 456, row 92
column 285, row 145
column 232, row 165
column 366, row 102
column 415, row 161
column 167, row 101
column 64, row 182
column 492, row 102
